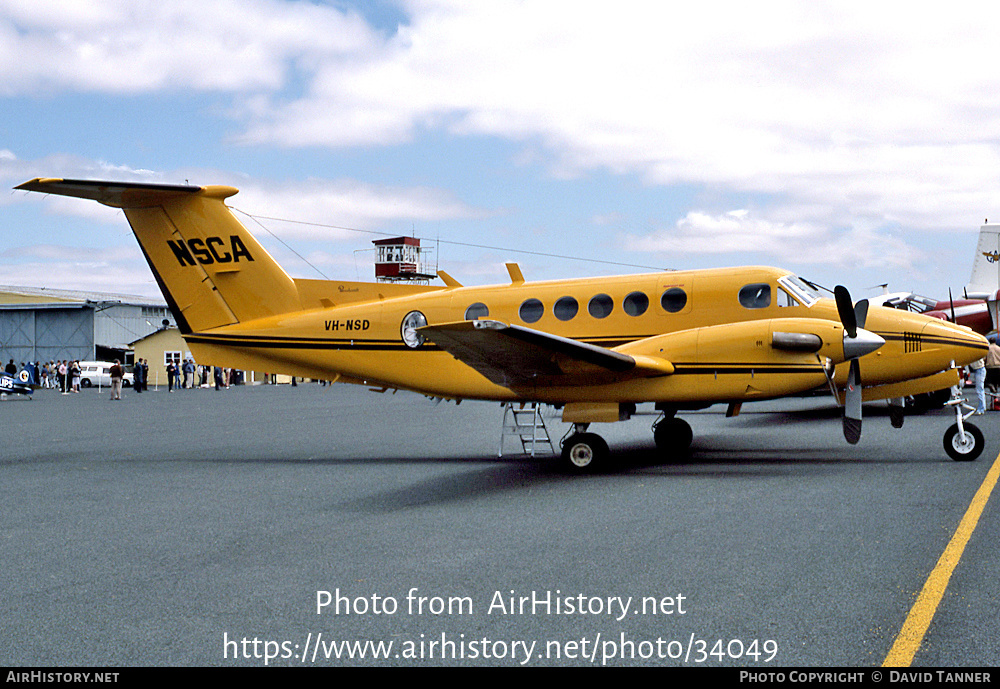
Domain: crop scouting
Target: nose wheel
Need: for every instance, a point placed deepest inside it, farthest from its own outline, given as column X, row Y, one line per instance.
column 963, row 441
column 963, row 444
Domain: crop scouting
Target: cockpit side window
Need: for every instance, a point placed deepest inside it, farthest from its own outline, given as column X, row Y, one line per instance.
column 785, row 299
column 801, row 291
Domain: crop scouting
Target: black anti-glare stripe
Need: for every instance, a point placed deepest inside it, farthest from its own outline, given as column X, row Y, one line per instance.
column 730, row 369
column 282, row 343
column 262, row 343
column 952, row 342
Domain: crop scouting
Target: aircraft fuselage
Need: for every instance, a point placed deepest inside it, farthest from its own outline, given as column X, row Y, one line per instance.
column 715, row 326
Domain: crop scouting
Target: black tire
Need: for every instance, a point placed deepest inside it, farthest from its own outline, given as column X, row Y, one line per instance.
column 583, row 452
column 673, row 436
column 964, row 452
column 85, row 383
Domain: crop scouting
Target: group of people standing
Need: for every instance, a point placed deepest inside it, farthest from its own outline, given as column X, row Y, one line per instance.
column 175, row 373
column 62, row 375
column 190, row 375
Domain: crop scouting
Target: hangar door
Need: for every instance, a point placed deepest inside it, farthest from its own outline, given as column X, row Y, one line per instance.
column 46, row 334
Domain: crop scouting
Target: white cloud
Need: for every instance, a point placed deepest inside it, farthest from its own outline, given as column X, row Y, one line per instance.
column 838, row 119
column 874, row 113
column 145, row 45
column 316, row 208
column 745, row 233
column 322, row 208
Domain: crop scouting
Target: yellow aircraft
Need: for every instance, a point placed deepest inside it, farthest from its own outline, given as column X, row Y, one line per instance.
column 596, row 347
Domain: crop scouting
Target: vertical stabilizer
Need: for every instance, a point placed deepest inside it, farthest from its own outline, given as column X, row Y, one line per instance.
column 985, row 279
column 211, row 270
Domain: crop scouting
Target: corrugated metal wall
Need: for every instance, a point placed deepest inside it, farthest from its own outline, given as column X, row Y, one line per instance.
column 46, row 334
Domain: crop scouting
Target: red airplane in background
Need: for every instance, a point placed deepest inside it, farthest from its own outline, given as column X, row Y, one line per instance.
column 976, row 314
column 977, row 309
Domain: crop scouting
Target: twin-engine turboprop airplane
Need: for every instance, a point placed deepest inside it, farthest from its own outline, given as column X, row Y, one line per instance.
column 596, row 347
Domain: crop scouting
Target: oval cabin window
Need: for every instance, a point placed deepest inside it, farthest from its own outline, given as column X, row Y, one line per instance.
column 674, row 300
column 566, row 308
column 531, row 310
column 601, row 306
column 477, row 310
column 636, row 304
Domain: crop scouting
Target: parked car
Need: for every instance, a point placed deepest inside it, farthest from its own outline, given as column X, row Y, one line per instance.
column 98, row 373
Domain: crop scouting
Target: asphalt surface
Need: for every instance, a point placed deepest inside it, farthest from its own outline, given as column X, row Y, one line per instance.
column 204, row 528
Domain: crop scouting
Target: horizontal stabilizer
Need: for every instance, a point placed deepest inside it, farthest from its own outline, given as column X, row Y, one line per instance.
column 116, row 194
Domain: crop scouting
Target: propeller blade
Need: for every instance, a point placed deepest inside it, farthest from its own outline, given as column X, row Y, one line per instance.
column 951, row 302
column 852, row 404
column 861, row 312
column 845, row 307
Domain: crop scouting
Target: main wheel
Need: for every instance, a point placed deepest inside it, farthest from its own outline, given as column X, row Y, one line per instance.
column 673, row 436
column 965, row 451
column 584, row 452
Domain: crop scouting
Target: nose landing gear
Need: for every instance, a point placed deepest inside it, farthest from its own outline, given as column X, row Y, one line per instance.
column 962, row 441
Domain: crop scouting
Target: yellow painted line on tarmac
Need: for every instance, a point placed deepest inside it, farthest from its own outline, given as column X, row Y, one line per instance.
column 912, row 634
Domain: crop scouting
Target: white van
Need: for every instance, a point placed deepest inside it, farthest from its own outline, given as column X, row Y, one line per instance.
column 98, row 373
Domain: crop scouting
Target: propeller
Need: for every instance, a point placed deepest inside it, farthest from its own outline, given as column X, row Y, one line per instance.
column 951, row 302
column 845, row 307
column 852, row 404
column 857, row 343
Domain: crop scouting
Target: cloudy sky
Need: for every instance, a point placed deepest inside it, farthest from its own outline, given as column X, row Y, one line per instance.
column 850, row 142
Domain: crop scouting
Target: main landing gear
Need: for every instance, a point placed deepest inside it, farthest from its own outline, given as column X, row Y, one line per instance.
column 673, row 436
column 583, row 451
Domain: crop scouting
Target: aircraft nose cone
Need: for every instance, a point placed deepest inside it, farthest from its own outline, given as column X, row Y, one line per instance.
column 865, row 343
column 956, row 342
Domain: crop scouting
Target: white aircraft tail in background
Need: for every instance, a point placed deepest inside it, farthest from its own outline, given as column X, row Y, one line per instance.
column 985, row 279
column 984, row 283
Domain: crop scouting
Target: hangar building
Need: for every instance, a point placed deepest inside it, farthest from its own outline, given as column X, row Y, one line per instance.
column 39, row 324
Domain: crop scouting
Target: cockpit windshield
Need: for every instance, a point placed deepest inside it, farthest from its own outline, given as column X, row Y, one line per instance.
column 799, row 289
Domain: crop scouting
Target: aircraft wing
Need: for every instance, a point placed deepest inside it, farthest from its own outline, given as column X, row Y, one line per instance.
column 514, row 356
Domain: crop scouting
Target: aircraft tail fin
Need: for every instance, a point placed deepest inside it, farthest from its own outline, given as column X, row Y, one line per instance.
column 985, row 279
column 210, row 269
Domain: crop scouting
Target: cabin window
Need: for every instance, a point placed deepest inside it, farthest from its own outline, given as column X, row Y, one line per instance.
column 636, row 304
column 756, row 295
column 785, row 299
column 531, row 310
column 673, row 300
column 477, row 310
column 601, row 306
column 566, row 308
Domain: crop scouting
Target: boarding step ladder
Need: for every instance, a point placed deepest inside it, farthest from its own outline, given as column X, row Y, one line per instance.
column 524, row 421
